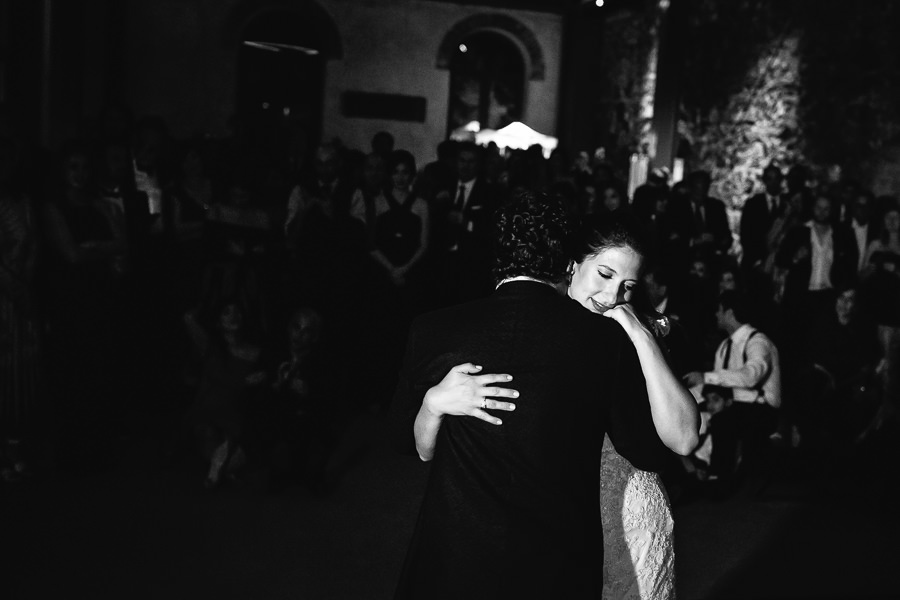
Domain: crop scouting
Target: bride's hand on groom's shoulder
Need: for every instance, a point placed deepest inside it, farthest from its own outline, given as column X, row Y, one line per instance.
column 465, row 392
column 625, row 316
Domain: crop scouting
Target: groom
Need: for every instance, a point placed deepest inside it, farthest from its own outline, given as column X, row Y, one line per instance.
column 513, row 511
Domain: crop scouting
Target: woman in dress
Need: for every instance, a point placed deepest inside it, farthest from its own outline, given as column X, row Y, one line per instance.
column 636, row 515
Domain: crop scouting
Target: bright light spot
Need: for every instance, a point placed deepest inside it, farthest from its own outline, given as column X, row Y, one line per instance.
column 463, row 48
column 599, row 3
column 286, row 111
column 265, row 106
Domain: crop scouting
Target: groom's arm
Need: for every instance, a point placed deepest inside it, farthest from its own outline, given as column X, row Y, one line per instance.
column 630, row 422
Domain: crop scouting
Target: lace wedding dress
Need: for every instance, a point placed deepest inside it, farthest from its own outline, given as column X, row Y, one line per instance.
column 638, row 555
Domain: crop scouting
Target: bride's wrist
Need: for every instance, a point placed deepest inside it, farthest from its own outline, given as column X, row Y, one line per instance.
column 431, row 403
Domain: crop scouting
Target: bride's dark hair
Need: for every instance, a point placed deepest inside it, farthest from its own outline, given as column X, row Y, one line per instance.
column 532, row 231
column 599, row 232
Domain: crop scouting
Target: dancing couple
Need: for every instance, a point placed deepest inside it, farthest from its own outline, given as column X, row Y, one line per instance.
column 516, row 397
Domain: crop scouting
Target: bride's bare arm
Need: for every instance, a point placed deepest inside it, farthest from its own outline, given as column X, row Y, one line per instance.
column 460, row 393
column 674, row 410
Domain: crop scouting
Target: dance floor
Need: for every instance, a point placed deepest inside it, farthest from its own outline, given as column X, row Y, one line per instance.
column 139, row 530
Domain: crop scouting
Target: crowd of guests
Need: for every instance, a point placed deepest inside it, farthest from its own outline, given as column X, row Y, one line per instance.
column 242, row 294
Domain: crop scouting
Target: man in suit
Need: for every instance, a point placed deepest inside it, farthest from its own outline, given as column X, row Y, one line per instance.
column 859, row 223
column 462, row 218
column 757, row 216
column 513, row 511
column 819, row 257
column 702, row 220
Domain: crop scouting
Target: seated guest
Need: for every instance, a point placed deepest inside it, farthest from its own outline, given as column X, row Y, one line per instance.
column 746, row 362
column 292, row 426
column 230, row 370
column 729, row 279
column 715, row 399
column 829, row 393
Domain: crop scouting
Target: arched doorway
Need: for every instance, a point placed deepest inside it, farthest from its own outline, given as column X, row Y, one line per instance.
column 487, row 81
column 281, row 61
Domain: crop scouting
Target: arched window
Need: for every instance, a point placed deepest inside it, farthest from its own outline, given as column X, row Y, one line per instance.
column 487, row 81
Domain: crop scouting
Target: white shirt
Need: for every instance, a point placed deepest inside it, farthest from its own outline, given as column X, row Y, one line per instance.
column 467, row 185
column 862, row 241
column 758, row 379
column 822, row 259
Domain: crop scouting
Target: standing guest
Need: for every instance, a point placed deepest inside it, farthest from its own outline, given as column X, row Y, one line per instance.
column 818, row 257
column 747, row 362
column 401, row 238
column 880, row 294
column 439, row 174
column 886, row 243
column 402, row 228
column 370, row 193
column 860, row 224
column 462, row 229
column 81, row 288
column 20, row 349
column 702, row 219
column 326, row 193
column 383, row 144
column 757, row 217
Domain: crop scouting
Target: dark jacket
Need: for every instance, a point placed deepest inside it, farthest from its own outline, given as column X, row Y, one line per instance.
column 521, row 497
column 756, row 221
column 715, row 222
column 843, row 266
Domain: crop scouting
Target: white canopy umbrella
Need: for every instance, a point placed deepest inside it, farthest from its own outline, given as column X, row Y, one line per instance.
column 518, row 136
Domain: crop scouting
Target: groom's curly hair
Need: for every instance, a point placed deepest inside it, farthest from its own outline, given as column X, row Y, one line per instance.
column 532, row 232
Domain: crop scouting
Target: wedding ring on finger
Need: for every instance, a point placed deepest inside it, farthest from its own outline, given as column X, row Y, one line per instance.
column 483, row 403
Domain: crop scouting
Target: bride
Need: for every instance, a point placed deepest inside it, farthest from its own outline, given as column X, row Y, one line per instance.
column 637, row 520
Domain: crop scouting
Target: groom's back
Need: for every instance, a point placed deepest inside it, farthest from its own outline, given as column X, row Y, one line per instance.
column 516, row 506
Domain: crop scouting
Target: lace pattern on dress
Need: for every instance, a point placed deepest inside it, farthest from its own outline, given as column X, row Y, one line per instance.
column 638, row 553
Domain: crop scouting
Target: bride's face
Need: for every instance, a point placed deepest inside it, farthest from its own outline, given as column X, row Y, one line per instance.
column 605, row 279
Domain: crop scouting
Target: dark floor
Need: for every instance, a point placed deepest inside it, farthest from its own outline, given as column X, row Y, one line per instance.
column 825, row 528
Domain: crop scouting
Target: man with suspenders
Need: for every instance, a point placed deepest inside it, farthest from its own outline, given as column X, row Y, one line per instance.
column 747, row 363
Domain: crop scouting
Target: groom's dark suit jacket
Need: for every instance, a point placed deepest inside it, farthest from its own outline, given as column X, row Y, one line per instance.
column 512, row 511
